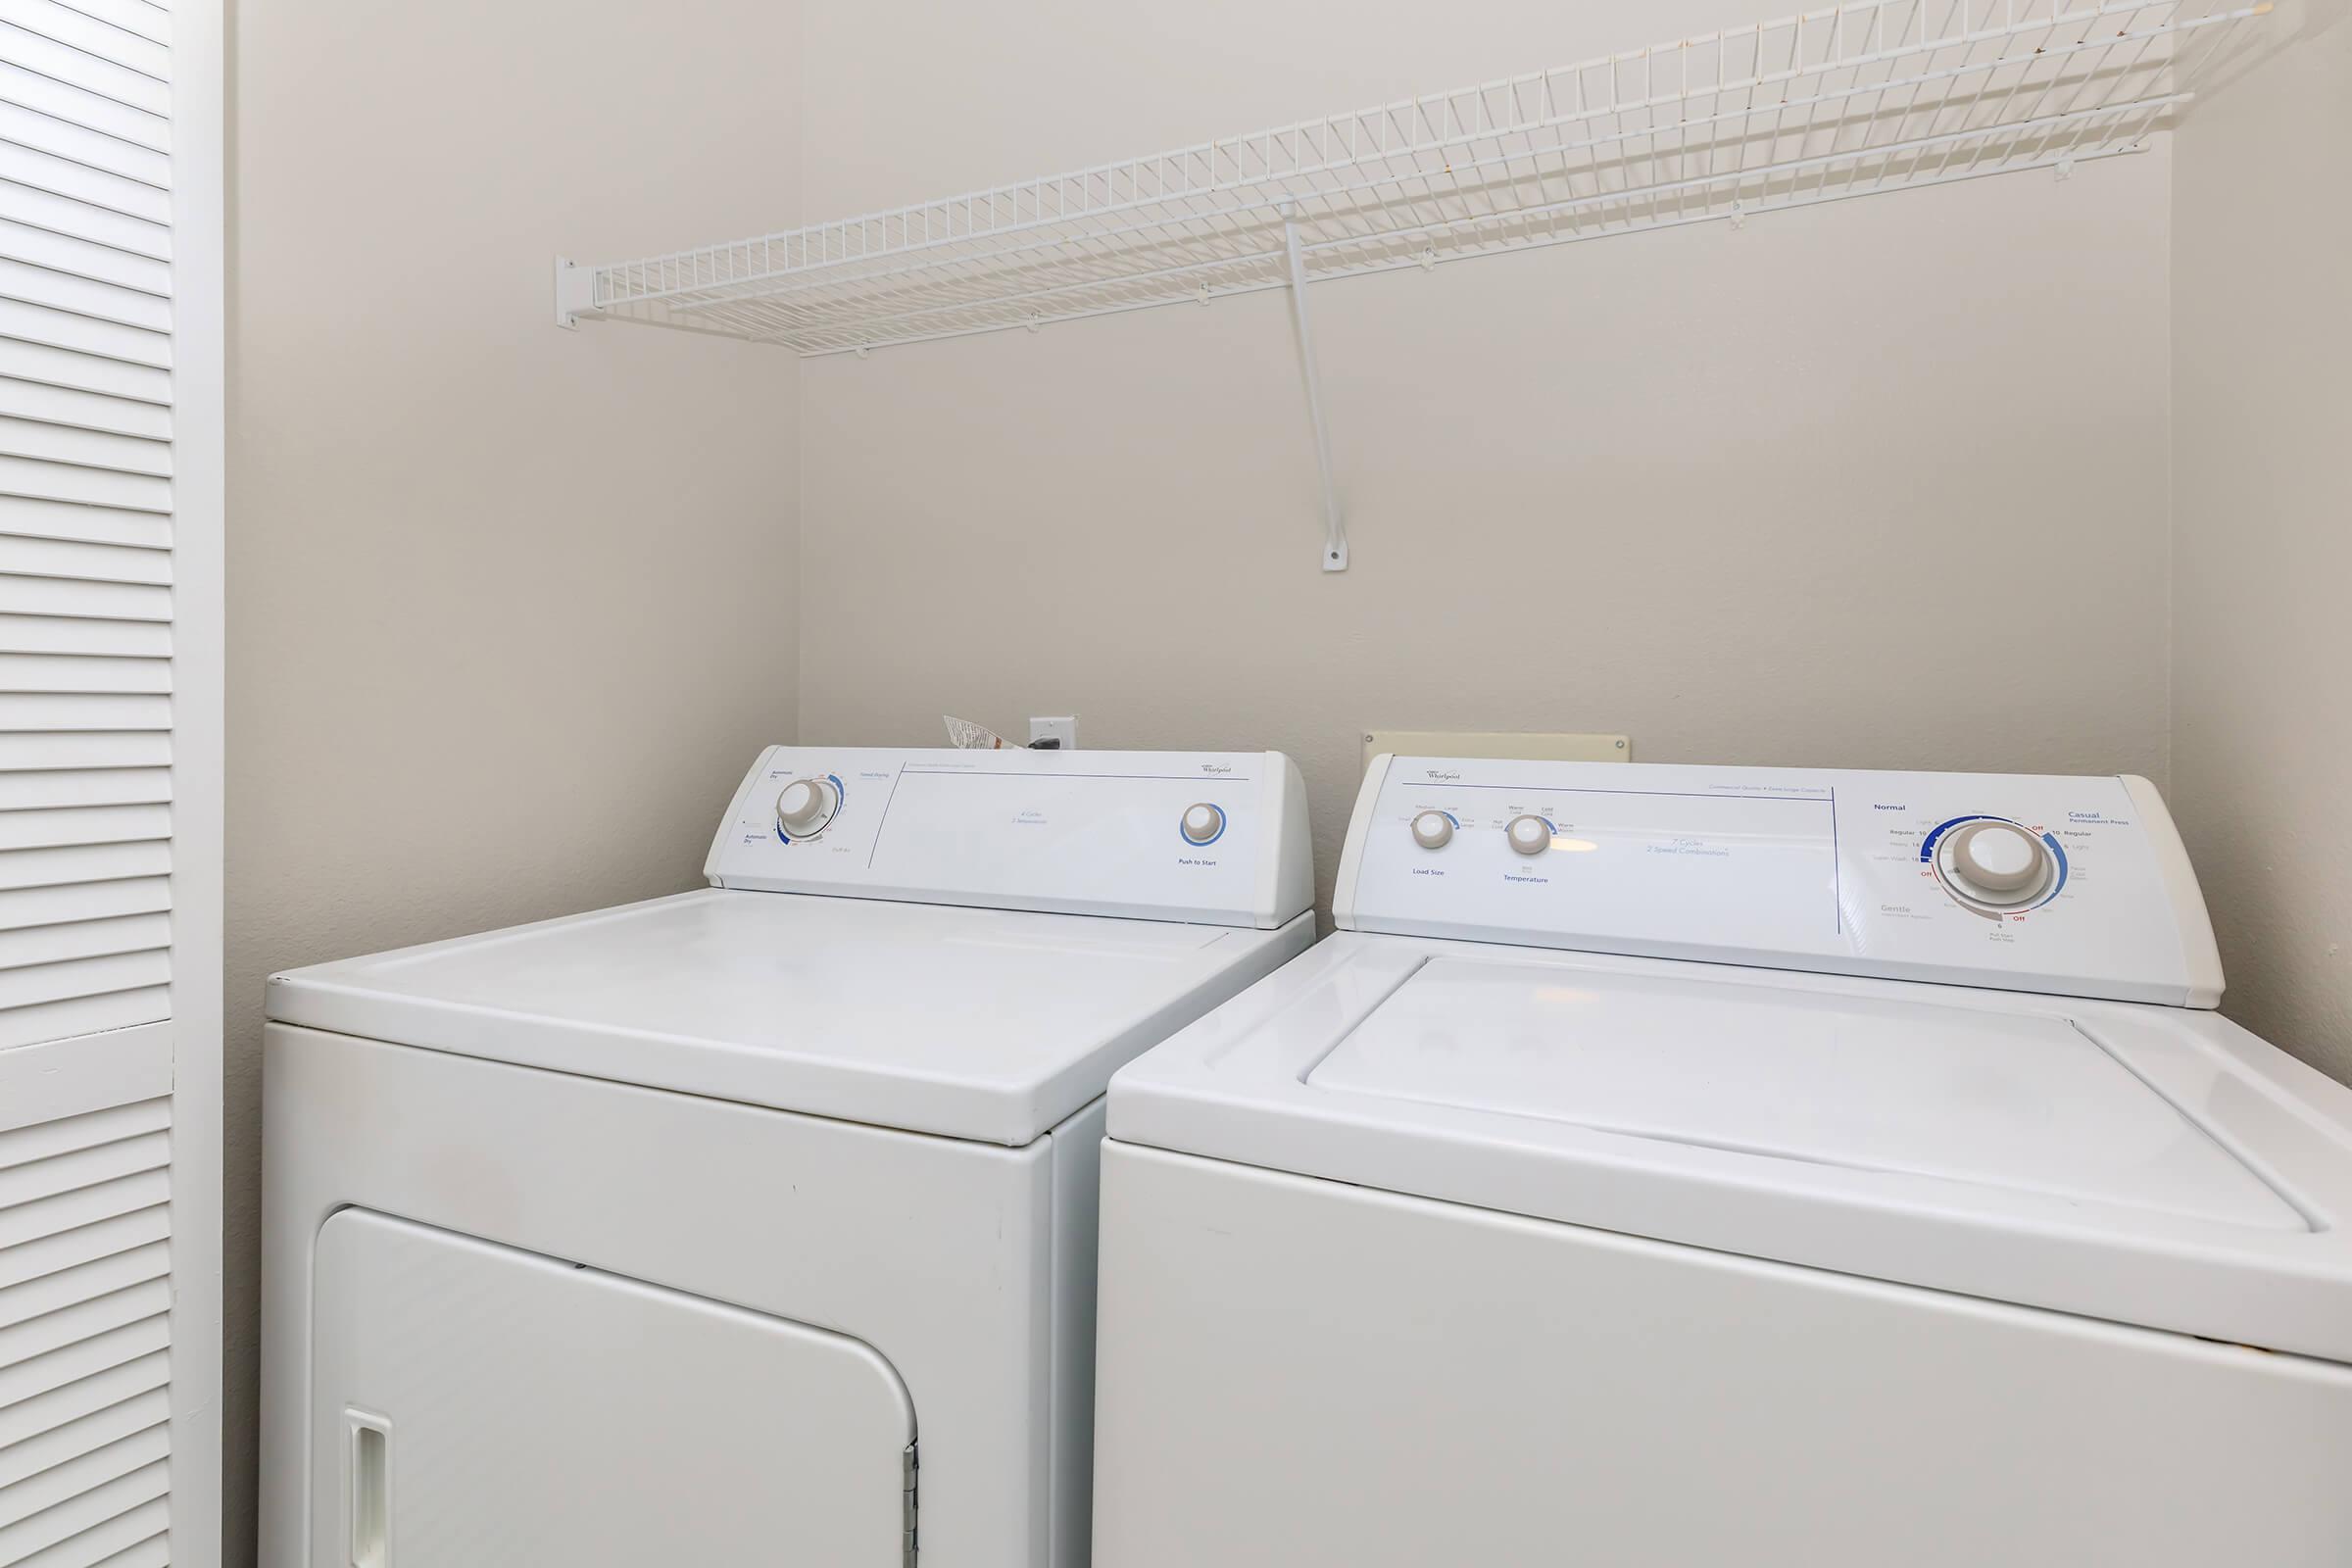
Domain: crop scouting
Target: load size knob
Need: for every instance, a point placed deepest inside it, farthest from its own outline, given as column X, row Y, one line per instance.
column 1433, row 830
column 1999, row 862
column 1529, row 835
column 805, row 806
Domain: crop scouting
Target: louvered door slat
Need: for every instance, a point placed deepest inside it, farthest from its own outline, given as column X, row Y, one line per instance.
column 59, row 1525
column 59, row 1410
column 22, row 908
column 63, row 1135
column 73, row 26
column 39, row 753
column 58, row 674
column 79, row 863
column 59, row 1291
column 80, row 560
column 91, row 73
column 80, row 979
column 132, row 1539
column 108, row 1423
column 141, row 17
column 51, row 441
column 23, row 1385
column 37, row 169
column 63, row 634
column 95, row 298
column 105, row 786
column 36, row 90
column 83, row 410
column 27, row 361
column 76, row 1170
column 80, row 1205
column 31, row 129
column 84, row 1016
column 51, row 710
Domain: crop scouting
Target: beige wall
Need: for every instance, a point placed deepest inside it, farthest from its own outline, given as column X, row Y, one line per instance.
column 2261, row 321
column 1880, row 484
column 510, row 608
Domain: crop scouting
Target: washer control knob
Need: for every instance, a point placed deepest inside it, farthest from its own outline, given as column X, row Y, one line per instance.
column 1433, row 830
column 1999, row 862
column 805, row 806
column 1202, row 822
column 1529, row 835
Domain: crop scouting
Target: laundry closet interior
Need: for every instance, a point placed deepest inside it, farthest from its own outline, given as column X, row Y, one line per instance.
column 1005, row 785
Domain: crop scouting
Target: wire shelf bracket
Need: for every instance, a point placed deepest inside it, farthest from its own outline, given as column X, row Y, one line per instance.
column 1857, row 99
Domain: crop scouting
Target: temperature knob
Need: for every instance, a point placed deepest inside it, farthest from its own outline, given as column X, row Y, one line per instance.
column 1997, row 862
column 1529, row 835
column 1433, row 830
column 806, row 805
column 1202, row 822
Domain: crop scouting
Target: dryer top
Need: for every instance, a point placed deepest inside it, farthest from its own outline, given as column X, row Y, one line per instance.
column 987, row 1024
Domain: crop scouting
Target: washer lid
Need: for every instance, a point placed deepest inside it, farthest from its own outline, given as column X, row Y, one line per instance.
column 2137, row 1164
column 989, row 1024
column 2022, row 1100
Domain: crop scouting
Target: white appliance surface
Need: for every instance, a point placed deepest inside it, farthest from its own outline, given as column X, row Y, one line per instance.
column 1210, row 837
column 973, row 1023
column 1307, row 1374
column 1816, row 869
column 2016, row 1099
column 933, row 1016
column 2145, row 1164
column 513, row 1412
column 660, row 1233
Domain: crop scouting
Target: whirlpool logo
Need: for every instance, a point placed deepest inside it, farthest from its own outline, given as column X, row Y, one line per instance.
column 1442, row 774
column 1216, row 767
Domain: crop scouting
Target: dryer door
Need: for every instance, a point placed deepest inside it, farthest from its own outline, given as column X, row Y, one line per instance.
column 472, row 1404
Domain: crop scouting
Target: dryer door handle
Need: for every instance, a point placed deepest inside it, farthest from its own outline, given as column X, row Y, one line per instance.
column 369, row 1505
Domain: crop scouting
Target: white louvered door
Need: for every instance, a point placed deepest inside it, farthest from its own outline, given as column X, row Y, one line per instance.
column 110, row 837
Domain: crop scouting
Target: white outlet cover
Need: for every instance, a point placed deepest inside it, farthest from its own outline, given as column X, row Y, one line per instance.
column 1490, row 743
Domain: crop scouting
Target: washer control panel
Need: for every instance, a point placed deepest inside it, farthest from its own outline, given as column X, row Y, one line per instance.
column 2077, row 886
column 1213, row 837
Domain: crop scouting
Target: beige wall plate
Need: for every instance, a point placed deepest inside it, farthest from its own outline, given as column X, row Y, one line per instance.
column 1486, row 743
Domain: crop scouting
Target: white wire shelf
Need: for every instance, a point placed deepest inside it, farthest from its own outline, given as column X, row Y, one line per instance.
column 1850, row 101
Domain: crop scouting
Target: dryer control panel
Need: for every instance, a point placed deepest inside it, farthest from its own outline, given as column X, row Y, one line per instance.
column 2075, row 886
column 1218, row 838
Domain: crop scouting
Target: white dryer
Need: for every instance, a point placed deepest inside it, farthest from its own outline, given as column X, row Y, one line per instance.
column 1684, row 1166
column 658, row 1234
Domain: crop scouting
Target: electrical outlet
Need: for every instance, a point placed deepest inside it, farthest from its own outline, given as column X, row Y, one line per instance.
column 1065, row 730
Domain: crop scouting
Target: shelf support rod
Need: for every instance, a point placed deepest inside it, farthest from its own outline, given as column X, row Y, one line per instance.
column 1334, row 528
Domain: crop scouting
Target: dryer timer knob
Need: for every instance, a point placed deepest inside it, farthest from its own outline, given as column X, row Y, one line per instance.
column 805, row 806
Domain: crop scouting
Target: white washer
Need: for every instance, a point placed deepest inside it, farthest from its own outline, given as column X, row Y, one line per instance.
column 657, row 1235
column 1754, row 1166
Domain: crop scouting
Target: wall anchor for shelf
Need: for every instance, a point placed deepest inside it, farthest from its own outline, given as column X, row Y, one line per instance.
column 575, row 293
column 1334, row 528
column 2066, row 168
